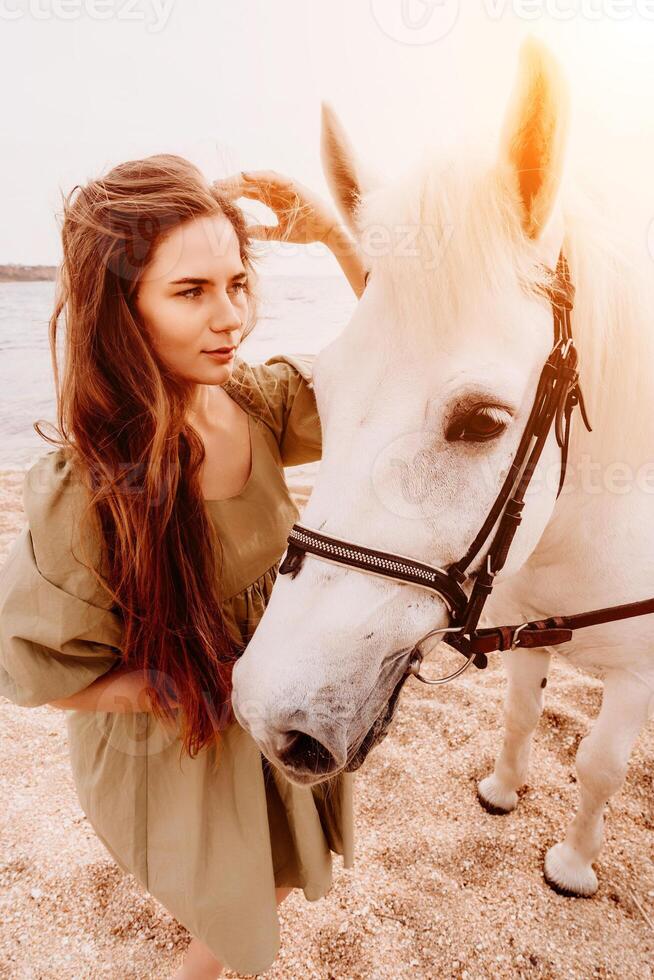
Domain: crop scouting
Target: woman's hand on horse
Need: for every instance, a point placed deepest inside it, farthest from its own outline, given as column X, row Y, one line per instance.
column 302, row 216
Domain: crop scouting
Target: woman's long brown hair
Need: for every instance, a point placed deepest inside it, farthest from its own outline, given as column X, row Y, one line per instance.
column 122, row 421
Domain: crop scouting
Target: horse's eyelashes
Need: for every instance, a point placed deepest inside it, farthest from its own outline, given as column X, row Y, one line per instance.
column 480, row 425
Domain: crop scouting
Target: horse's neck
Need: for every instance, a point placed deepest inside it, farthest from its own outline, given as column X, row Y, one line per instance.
column 598, row 547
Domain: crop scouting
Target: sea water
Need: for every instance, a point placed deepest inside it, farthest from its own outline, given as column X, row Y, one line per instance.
column 298, row 315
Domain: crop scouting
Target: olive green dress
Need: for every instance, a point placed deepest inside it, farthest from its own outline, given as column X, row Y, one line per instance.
column 209, row 837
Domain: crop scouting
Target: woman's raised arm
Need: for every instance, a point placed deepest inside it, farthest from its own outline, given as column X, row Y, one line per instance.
column 302, row 217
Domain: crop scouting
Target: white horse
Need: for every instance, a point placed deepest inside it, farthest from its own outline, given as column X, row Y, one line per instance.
column 422, row 399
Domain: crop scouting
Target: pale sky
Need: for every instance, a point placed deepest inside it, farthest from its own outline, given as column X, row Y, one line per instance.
column 237, row 84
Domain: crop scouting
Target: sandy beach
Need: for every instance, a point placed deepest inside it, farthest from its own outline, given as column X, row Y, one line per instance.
column 440, row 887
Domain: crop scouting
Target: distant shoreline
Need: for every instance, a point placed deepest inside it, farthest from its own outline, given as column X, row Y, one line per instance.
column 48, row 273
column 28, row 273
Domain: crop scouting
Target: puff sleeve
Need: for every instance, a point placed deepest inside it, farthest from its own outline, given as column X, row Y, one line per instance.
column 58, row 632
column 283, row 391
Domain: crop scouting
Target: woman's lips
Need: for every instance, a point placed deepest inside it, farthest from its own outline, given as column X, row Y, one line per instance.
column 224, row 355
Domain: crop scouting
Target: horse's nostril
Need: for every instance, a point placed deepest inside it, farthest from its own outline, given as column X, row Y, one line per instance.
column 302, row 751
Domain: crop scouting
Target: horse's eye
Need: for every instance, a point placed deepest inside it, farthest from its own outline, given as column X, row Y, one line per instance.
column 480, row 425
column 366, row 277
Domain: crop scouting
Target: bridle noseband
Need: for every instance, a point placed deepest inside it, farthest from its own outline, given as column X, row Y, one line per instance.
column 557, row 394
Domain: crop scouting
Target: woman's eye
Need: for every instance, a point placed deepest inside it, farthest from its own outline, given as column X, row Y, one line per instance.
column 480, row 425
column 237, row 287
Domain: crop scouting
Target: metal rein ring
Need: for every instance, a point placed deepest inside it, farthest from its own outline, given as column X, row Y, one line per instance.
column 416, row 659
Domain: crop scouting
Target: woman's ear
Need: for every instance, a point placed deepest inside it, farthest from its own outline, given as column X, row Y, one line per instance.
column 534, row 134
column 341, row 169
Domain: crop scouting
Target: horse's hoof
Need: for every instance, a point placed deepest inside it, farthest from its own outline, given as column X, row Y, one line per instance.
column 567, row 875
column 494, row 799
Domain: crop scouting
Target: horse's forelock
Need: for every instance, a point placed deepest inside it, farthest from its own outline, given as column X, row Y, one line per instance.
column 446, row 229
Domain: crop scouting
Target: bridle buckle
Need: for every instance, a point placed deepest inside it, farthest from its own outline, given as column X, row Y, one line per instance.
column 517, row 633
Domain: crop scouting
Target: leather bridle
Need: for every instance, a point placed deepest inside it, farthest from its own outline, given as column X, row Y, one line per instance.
column 557, row 394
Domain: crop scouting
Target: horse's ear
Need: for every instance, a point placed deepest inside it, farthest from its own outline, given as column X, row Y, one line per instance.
column 534, row 135
column 340, row 167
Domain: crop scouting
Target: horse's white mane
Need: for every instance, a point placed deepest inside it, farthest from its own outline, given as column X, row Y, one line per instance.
column 464, row 202
column 613, row 319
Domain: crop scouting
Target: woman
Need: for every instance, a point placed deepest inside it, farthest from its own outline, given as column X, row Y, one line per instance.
column 154, row 533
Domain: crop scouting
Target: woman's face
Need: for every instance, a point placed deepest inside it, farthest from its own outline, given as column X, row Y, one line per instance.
column 193, row 298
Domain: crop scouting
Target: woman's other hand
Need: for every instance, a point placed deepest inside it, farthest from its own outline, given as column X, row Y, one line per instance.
column 302, row 216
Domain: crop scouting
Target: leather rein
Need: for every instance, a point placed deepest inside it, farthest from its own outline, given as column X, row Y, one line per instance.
column 557, row 394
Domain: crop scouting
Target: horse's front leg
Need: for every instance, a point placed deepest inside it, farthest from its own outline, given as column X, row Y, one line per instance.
column 602, row 760
column 527, row 670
